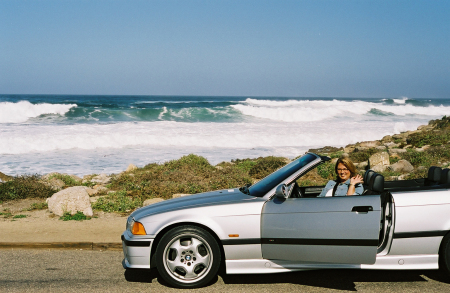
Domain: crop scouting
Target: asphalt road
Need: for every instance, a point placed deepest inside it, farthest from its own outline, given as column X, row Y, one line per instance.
column 101, row 271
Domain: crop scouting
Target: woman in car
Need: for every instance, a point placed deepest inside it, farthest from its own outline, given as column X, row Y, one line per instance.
column 347, row 181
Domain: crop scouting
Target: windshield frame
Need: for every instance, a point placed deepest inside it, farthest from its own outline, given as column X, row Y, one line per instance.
column 286, row 174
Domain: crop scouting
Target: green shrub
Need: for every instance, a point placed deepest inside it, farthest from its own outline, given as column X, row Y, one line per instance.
column 362, row 155
column 428, row 138
column 189, row 174
column 6, row 213
column 265, row 166
column 37, row 206
column 68, row 181
column 417, row 158
column 245, row 165
column 117, row 202
column 19, row 216
column 25, row 186
column 326, row 170
column 79, row 216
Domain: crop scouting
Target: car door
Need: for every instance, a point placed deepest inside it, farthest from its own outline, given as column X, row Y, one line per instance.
column 342, row 230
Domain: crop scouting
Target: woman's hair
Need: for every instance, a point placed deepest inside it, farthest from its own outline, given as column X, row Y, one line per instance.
column 347, row 163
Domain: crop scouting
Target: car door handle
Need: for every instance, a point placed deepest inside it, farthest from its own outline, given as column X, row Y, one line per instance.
column 362, row 209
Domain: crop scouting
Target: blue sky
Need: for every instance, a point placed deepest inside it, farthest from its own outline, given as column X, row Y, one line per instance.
column 238, row 48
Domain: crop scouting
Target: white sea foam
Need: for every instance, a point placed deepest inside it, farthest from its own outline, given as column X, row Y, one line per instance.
column 44, row 138
column 161, row 115
column 400, row 101
column 317, row 110
column 24, row 110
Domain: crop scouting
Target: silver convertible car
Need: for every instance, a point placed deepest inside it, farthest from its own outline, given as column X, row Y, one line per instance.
column 276, row 226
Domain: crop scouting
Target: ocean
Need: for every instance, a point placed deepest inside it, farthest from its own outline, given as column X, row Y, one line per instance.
column 104, row 134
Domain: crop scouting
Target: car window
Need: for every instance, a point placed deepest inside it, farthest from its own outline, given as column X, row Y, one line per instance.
column 263, row 186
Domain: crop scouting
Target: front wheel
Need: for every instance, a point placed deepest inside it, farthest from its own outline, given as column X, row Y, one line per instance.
column 444, row 256
column 188, row 257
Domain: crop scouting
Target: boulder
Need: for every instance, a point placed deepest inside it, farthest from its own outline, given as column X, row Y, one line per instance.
column 379, row 168
column 75, row 177
column 386, row 139
column 402, row 166
column 131, row 167
column 4, row 177
column 379, row 159
column 391, row 144
column 397, row 151
column 381, row 148
column 101, row 179
column 361, row 148
column 152, row 201
column 324, row 150
column 96, row 189
column 56, row 184
column 425, row 127
column 179, row 195
column 72, row 200
column 361, row 165
column 369, row 144
column 349, row 148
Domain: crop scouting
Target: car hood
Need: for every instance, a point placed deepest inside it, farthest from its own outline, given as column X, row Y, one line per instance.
column 225, row 196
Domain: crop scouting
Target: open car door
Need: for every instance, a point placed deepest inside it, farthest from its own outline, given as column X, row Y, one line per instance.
column 335, row 230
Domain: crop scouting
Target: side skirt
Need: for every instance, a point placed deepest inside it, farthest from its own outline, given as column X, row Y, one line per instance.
column 396, row 262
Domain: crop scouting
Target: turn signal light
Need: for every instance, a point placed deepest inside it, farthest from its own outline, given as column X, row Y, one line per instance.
column 233, row 235
column 138, row 229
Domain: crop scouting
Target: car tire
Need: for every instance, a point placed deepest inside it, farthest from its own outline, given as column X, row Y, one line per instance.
column 444, row 256
column 188, row 257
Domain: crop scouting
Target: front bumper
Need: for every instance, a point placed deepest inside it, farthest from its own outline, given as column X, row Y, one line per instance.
column 136, row 251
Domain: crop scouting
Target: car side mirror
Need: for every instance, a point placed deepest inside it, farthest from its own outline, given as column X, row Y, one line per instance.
column 281, row 192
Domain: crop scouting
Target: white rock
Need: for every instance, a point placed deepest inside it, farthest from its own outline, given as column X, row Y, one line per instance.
column 379, row 159
column 379, row 168
column 179, row 195
column 361, row 165
column 72, row 200
column 369, row 144
column 397, row 151
column 152, row 201
column 101, row 179
column 131, row 167
column 402, row 166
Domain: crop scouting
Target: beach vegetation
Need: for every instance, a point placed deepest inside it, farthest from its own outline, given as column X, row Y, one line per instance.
column 79, row 216
column 37, row 206
column 67, row 179
column 25, row 186
column 326, row 170
column 189, row 174
column 362, row 155
column 19, row 216
column 119, row 201
column 266, row 165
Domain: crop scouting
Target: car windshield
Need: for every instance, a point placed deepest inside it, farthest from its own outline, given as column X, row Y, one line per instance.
column 263, row 186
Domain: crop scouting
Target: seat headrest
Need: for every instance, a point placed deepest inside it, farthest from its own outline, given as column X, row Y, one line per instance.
column 434, row 174
column 376, row 183
column 367, row 176
column 445, row 176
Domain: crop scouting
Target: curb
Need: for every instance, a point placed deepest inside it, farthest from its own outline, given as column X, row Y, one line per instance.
column 62, row 245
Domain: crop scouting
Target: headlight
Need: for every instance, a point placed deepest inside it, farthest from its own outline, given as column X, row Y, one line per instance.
column 134, row 227
column 130, row 223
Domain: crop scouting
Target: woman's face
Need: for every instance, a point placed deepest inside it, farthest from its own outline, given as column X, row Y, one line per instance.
column 343, row 173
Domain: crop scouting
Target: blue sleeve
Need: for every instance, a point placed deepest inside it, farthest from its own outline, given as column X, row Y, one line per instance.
column 359, row 189
column 327, row 187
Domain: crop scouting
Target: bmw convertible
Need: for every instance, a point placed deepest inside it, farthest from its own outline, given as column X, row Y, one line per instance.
column 277, row 226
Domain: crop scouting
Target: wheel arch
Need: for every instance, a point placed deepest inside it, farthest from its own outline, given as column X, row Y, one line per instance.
column 178, row 224
column 441, row 247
